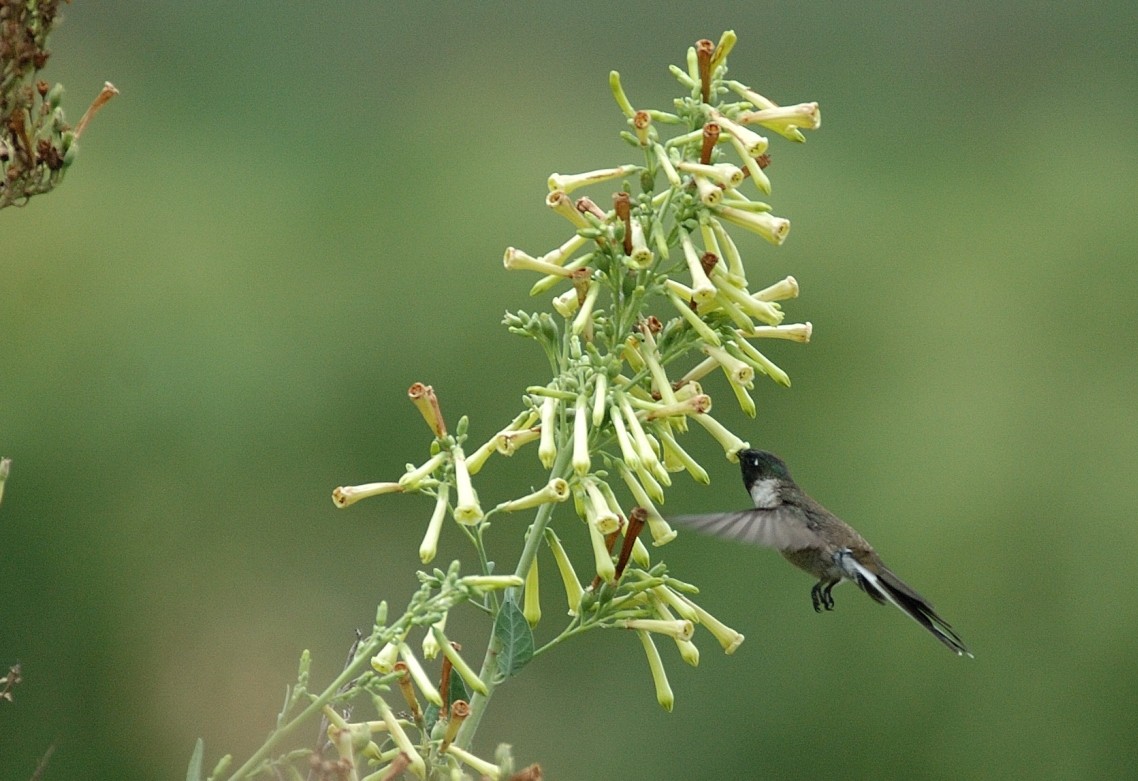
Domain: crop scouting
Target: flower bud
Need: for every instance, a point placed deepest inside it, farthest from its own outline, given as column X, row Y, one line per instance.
column 531, row 598
column 664, row 694
column 573, row 590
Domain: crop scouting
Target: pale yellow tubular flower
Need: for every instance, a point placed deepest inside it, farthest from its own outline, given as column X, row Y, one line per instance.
column 346, row 495
column 601, row 515
column 602, row 559
column 467, row 511
column 694, row 320
column 795, row 332
column 395, row 729
column 481, row 766
column 763, row 363
column 666, row 166
column 430, row 642
column 702, row 289
column 728, row 638
column 673, row 451
column 758, row 176
column 570, row 182
column 430, row 545
column 677, row 628
column 508, row 442
column 724, row 304
column 691, row 405
column 723, row 48
column 773, row 229
column 731, row 444
column 492, row 582
column 700, row 370
column 458, row 664
column 639, row 439
column 720, row 173
column 752, row 142
column 765, row 311
column 787, row 121
column 648, row 479
column 711, row 244
column 581, row 460
column 627, row 451
column 558, row 256
column 674, row 601
column 531, row 600
column 384, row 661
column 619, row 96
column 560, row 203
column 746, row 403
column 573, row 590
column 662, row 533
column 664, row 694
column 779, row 291
column 551, row 280
column 514, row 259
column 567, row 303
column 730, row 251
column 600, row 398
column 584, row 318
column 737, row 370
column 651, row 355
column 641, row 256
column 547, row 447
column 415, row 476
column 709, row 193
column 556, row 490
column 419, row 675
column 640, row 554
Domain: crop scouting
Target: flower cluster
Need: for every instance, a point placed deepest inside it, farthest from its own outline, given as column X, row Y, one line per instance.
column 649, row 283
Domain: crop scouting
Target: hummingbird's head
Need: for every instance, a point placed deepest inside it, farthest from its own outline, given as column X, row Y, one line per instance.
column 761, row 465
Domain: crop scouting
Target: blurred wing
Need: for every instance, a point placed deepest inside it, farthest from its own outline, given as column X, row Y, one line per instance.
column 779, row 528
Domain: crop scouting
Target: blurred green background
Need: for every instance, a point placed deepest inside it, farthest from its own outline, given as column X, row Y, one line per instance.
column 295, row 210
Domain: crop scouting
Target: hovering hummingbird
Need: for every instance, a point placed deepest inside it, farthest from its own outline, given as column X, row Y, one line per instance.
column 812, row 538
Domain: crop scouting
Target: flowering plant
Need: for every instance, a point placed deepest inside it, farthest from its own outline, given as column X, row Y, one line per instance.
column 639, row 288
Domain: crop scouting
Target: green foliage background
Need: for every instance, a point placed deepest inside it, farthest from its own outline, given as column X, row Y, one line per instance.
column 297, row 209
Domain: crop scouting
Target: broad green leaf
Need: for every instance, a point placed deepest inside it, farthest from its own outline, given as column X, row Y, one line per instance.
column 515, row 637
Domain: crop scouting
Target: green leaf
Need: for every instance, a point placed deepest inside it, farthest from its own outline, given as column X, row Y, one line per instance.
column 194, row 773
column 515, row 637
column 456, row 691
column 457, row 688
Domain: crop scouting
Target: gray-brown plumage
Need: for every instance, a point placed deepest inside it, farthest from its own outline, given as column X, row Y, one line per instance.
column 813, row 539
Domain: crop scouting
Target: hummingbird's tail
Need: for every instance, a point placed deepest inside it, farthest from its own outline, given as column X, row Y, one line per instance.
column 884, row 586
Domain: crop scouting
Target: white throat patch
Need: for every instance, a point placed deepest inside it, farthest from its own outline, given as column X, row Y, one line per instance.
column 764, row 493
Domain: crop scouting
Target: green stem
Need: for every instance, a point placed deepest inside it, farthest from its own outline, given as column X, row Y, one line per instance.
column 368, row 650
column 489, row 671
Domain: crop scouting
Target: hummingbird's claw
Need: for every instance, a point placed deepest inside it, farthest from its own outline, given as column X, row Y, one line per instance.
column 821, row 597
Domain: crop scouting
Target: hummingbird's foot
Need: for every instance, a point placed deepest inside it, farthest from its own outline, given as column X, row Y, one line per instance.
column 820, row 596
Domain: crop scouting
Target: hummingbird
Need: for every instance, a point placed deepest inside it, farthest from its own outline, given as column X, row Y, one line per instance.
column 814, row 539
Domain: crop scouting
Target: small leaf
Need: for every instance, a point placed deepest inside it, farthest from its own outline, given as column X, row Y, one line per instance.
column 194, row 773
column 457, row 688
column 514, row 635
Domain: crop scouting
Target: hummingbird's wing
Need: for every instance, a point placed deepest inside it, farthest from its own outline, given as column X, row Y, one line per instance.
column 781, row 528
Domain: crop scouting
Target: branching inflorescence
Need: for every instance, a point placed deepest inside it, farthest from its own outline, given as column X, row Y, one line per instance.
column 653, row 282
